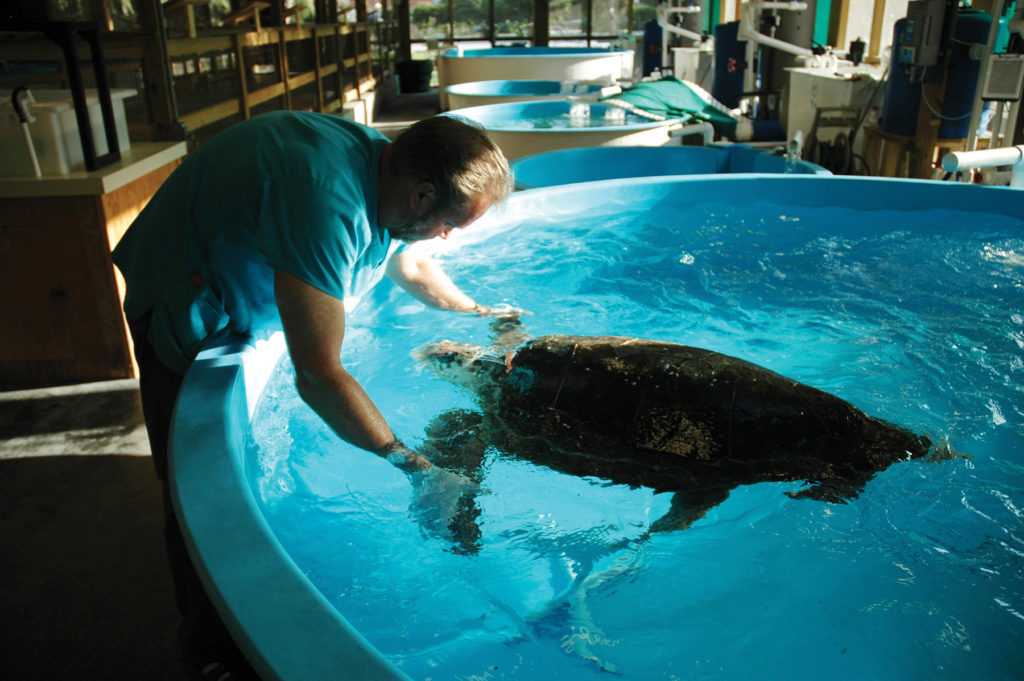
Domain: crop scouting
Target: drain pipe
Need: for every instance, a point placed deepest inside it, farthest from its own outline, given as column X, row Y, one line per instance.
column 987, row 158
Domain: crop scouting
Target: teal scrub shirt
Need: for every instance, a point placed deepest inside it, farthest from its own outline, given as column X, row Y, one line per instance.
column 292, row 191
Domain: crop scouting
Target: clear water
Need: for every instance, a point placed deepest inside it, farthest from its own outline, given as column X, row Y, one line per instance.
column 918, row 319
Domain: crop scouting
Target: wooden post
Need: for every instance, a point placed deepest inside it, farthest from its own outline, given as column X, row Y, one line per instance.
column 875, row 41
column 156, row 70
column 404, row 29
column 339, row 58
column 839, row 19
column 541, row 24
column 927, row 132
column 282, row 52
column 317, row 66
column 275, row 13
column 243, row 83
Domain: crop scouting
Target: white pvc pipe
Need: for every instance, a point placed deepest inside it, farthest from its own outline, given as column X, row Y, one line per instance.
column 748, row 31
column 686, row 33
column 795, row 147
column 705, row 129
column 31, row 150
column 987, row 158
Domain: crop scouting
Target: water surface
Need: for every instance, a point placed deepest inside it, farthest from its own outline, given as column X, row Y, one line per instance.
column 917, row 319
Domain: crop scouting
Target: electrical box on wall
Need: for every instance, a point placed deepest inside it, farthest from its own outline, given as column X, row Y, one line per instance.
column 1004, row 74
column 922, row 35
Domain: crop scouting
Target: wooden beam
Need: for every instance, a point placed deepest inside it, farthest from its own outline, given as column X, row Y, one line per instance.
column 541, row 23
column 156, row 70
column 318, row 73
column 243, row 81
column 404, row 28
column 282, row 51
column 839, row 21
column 184, row 46
column 877, row 21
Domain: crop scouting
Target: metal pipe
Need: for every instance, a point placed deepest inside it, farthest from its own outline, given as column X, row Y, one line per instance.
column 988, row 158
column 20, row 100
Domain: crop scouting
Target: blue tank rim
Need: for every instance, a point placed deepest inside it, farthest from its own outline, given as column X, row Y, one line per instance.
column 881, row 193
column 532, row 52
column 494, row 116
column 591, row 156
column 480, row 87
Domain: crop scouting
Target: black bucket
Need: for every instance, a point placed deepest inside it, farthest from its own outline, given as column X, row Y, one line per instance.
column 414, row 74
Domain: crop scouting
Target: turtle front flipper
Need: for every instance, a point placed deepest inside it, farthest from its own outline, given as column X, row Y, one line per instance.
column 454, row 442
column 508, row 332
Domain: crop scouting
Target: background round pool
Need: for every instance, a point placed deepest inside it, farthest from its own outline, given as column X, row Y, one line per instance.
column 916, row 318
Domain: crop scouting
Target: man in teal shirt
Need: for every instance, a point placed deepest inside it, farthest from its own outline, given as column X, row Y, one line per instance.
column 278, row 222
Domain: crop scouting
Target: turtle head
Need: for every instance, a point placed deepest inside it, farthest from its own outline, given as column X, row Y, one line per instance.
column 464, row 364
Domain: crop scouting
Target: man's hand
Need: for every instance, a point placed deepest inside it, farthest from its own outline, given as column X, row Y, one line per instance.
column 501, row 310
column 403, row 458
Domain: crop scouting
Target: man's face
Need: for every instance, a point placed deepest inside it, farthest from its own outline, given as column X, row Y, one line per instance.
column 422, row 221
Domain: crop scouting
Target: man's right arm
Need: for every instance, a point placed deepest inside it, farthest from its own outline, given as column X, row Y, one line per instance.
column 314, row 328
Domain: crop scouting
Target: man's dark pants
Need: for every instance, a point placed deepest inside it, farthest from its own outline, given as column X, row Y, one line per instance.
column 203, row 636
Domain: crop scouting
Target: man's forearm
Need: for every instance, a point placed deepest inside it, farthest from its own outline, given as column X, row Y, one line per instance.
column 342, row 403
column 426, row 281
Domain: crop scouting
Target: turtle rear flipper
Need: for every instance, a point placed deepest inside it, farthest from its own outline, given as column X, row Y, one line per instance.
column 689, row 506
column 835, row 491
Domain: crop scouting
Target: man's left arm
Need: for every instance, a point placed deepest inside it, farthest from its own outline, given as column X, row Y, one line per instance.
column 423, row 279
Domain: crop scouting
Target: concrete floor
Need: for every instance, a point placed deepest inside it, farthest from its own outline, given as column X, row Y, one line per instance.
column 85, row 592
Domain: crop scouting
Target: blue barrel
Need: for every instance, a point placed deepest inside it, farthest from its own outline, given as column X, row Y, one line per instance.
column 730, row 64
column 972, row 26
column 652, row 47
column 903, row 98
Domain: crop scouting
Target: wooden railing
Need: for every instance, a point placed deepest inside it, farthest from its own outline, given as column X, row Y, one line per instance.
column 197, row 85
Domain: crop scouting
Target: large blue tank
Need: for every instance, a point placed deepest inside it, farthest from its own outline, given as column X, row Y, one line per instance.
column 903, row 97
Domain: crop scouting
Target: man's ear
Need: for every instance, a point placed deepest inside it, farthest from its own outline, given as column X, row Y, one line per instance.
column 422, row 198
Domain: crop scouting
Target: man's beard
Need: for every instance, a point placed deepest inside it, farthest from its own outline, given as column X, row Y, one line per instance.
column 409, row 230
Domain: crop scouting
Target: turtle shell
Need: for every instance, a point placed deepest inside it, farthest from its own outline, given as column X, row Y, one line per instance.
column 687, row 403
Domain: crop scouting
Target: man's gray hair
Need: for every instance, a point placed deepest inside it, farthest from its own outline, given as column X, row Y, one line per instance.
column 457, row 157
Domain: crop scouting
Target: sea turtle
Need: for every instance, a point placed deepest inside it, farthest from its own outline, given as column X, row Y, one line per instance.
column 661, row 415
